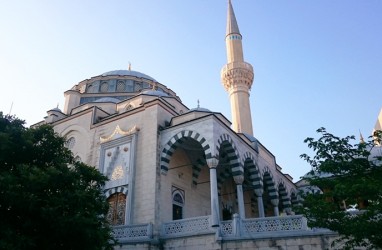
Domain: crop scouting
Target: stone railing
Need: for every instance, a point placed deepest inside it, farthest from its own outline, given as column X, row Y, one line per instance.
column 260, row 226
column 133, row 233
column 186, row 227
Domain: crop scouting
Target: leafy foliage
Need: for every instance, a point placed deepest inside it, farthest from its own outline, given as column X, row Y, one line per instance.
column 347, row 173
column 47, row 199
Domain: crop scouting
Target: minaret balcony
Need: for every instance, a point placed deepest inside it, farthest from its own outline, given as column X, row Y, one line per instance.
column 237, row 73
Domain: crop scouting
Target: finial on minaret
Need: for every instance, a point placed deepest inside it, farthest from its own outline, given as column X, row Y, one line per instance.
column 198, row 104
column 129, row 66
column 58, row 104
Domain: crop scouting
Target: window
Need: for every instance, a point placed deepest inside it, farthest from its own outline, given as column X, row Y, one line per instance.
column 137, row 86
column 70, row 142
column 90, row 89
column 120, row 86
column 117, row 209
column 130, row 86
column 104, row 87
column 177, row 203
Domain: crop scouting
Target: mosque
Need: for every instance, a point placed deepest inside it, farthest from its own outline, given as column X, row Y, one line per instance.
column 180, row 177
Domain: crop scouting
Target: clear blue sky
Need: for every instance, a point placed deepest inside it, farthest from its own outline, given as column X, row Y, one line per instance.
column 317, row 63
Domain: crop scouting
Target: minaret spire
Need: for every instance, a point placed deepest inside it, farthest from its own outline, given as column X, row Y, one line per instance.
column 232, row 27
column 237, row 76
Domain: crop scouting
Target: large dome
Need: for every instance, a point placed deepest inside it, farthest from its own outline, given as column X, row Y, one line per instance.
column 127, row 73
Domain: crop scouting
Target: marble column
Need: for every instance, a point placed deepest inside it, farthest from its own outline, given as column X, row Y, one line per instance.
column 260, row 203
column 260, row 206
column 275, row 203
column 215, row 220
column 240, row 198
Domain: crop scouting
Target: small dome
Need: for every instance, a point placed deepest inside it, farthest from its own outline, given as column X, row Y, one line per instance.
column 127, row 73
column 56, row 109
column 154, row 92
column 108, row 99
column 200, row 109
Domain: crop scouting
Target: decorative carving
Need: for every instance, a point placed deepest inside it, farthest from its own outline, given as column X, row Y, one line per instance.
column 187, row 226
column 117, row 173
column 237, row 73
column 133, row 232
column 265, row 225
column 119, row 131
column 117, row 208
column 226, row 228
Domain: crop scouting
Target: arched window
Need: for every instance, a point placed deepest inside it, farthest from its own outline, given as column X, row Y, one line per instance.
column 90, row 88
column 121, row 86
column 117, row 209
column 177, row 204
column 70, row 142
column 104, row 87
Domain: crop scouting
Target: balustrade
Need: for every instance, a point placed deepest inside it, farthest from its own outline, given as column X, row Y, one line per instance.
column 131, row 233
column 184, row 227
column 256, row 226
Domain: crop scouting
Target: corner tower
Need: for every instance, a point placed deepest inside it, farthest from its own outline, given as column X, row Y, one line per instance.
column 237, row 77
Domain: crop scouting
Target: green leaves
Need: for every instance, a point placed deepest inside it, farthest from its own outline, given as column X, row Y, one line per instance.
column 44, row 203
column 348, row 173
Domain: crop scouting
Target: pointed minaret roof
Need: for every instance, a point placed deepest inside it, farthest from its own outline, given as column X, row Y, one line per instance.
column 361, row 140
column 232, row 26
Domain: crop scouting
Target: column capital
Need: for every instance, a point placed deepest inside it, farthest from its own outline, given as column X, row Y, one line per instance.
column 212, row 162
column 239, row 179
column 258, row 192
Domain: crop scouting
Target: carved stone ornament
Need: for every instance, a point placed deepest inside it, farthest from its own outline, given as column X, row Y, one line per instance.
column 119, row 131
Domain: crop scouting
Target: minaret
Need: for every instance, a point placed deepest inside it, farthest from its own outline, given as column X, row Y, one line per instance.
column 237, row 77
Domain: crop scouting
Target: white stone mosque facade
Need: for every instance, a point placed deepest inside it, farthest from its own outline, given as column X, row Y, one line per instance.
column 183, row 178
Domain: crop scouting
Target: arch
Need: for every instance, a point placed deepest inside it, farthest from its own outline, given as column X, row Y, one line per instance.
column 112, row 191
column 223, row 175
column 129, row 106
column 196, row 168
column 284, row 203
column 253, row 180
column 293, row 198
column 254, row 174
column 81, row 142
column 269, row 183
column 178, row 139
column 226, row 144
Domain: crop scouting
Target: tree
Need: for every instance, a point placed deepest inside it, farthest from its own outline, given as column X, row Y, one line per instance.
column 348, row 174
column 47, row 199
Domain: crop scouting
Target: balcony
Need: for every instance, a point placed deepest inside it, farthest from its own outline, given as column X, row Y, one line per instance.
column 236, row 229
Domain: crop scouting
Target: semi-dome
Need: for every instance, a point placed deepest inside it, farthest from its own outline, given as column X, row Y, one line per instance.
column 127, row 73
column 108, row 99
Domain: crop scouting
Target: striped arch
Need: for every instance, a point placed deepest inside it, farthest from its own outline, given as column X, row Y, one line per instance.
column 293, row 198
column 269, row 183
column 111, row 191
column 254, row 180
column 196, row 168
column 254, row 174
column 223, row 176
column 226, row 143
column 178, row 139
column 284, row 199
